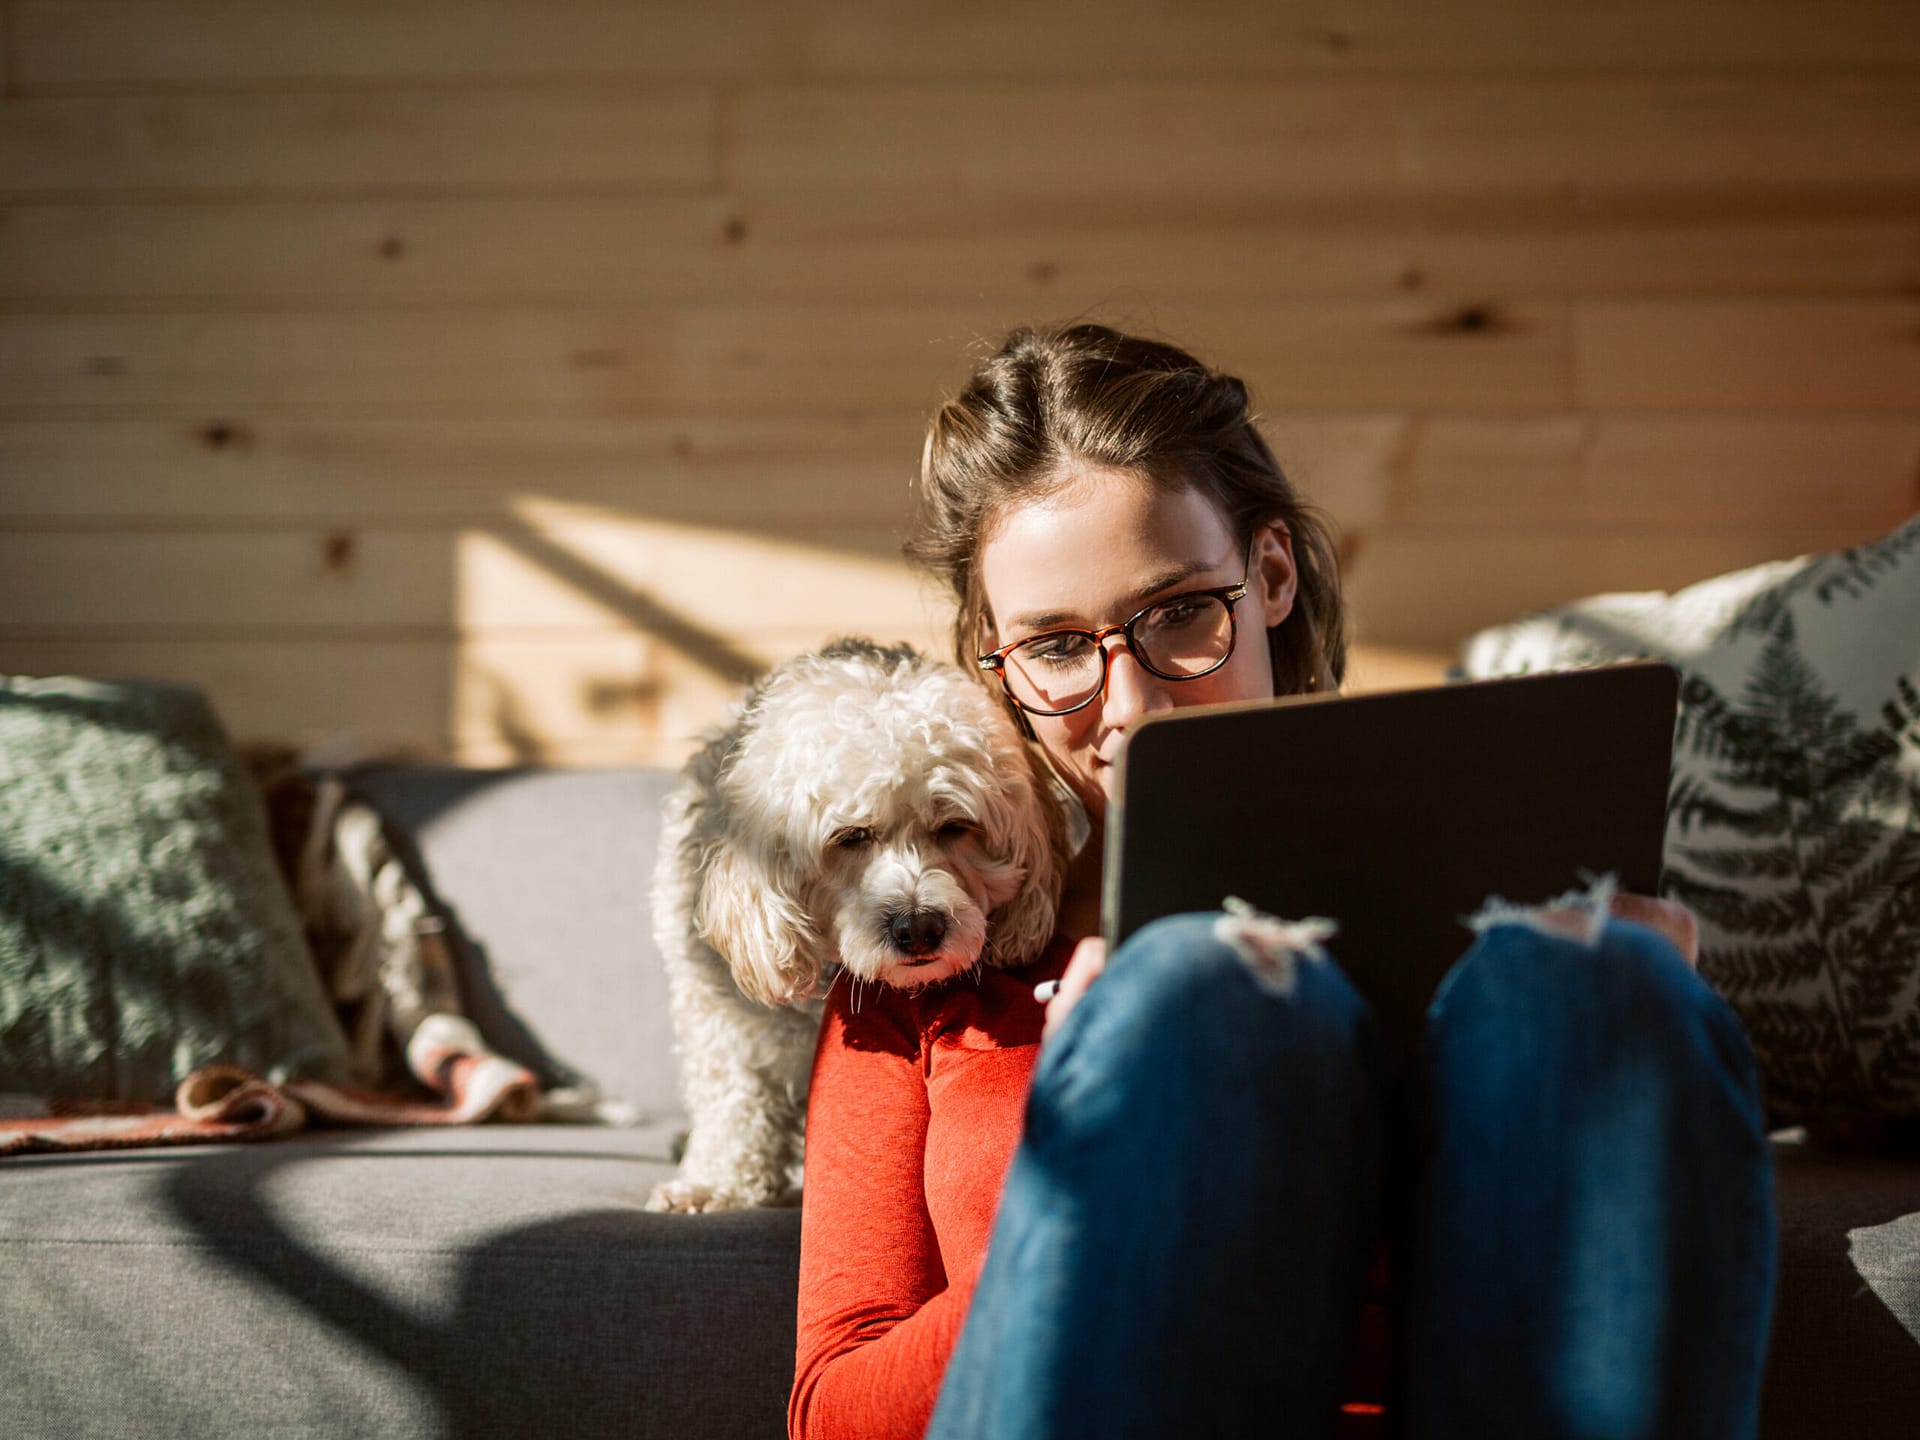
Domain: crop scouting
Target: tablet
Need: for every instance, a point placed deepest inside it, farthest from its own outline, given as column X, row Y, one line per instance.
column 1395, row 814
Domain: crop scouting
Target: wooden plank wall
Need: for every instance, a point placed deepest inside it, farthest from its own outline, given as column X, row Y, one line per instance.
column 508, row 379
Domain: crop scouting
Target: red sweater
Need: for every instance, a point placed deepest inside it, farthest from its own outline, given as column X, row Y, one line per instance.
column 915, row 1109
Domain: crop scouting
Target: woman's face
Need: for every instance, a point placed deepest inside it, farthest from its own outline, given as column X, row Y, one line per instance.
column 1093, row 553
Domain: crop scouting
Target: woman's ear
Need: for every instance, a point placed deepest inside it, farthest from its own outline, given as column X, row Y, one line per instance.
column 1273, row 562
column 753, row 919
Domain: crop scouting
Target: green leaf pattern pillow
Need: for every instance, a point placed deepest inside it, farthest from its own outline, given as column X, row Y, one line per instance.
column 144, row 927
column 1793, row 826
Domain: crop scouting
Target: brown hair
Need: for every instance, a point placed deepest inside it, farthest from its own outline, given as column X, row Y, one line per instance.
column 1087, row 394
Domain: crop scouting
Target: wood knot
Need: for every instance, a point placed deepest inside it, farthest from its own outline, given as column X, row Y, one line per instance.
column 1479, row 318
column 1043, row 272
column 225, row 435
column 734, row 229
column 393, row 248
column 104, row 365
column 608, row 358
column 1338, row 41
column 336, row 550
column 1413, row 278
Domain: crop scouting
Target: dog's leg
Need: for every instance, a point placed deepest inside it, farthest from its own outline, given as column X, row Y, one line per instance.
column 743, row 1072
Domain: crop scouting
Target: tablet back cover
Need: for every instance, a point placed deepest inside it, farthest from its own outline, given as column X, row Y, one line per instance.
column 1395, row 814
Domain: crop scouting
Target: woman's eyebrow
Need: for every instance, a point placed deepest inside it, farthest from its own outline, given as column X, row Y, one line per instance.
column 1172, row 575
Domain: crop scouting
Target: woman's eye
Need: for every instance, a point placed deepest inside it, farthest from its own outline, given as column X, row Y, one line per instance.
column 1182, row 610
column 852, row 838
column 1056, row 649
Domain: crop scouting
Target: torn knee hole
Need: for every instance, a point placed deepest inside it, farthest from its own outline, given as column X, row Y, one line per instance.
column 1579, row 915
column 1271, row 948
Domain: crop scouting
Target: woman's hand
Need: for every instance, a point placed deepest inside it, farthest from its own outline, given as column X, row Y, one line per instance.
column 1669, row 917
column 1089, row 959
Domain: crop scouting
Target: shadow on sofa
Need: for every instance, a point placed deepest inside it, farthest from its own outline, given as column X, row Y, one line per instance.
column 594, row 1321
column 1845, row 1354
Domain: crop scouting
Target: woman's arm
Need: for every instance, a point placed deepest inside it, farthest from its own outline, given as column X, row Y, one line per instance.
column 877, row 1315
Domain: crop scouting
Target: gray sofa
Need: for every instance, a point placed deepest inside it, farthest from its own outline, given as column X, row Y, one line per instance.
column 502, row 1280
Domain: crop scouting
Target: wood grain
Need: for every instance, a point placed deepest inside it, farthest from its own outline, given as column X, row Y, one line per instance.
column 708, row 587
column 749, row 474
column 510, row 379
column 239, row 470
column 110, row 43
column 607, row 698
column 752, row 359
column 219, row 44
column 487, row 700
column 1429, row 587
column 1805, row 357
column 412, row 141
column 1657, row 473
column 494, row 251
column 1360, row 135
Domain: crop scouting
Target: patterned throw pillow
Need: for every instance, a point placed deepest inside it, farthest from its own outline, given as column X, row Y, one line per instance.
column 144, row 928
column 1793, row 821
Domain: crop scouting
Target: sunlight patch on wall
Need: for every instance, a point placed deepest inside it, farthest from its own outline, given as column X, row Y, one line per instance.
column 591, row 635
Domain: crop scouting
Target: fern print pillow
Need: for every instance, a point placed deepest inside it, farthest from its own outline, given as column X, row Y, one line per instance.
column 1793, row 819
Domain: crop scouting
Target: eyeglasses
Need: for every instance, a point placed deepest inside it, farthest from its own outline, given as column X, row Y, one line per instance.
column 1179, row 638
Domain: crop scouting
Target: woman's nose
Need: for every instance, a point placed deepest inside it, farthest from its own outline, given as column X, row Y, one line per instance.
column 1132, row 689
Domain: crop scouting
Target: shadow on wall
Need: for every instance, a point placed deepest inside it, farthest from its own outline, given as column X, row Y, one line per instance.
column 705, row 647
column 701, row 633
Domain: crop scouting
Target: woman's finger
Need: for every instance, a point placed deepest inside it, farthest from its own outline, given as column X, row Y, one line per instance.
column 1669, row 917
column 1089, row 959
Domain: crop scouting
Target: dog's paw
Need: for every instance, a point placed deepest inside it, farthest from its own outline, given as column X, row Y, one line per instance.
column 678, row 1197
column 690, row 1197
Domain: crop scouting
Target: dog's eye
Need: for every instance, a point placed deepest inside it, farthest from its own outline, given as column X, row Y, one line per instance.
column 853, row 838
column 957, row 829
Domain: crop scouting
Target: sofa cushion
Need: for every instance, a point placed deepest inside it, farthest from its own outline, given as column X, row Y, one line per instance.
column 545, row 875
column 1794, row 815
column 500, row 1280
column 144, row 929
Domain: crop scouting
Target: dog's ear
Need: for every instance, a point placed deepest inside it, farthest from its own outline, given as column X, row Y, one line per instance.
column 751, row 915
column 1019, row 930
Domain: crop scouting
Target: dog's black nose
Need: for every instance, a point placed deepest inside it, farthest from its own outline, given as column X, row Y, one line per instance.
column 916, row 932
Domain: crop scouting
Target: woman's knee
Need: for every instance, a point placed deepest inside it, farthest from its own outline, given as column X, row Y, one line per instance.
column 1241, row 971
column 1211, row 1001
column 1628, row 995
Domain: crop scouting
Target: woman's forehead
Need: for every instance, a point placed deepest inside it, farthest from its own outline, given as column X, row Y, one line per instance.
column 1097, row 545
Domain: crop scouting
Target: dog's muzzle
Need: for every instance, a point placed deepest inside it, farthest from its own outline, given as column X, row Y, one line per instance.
column 917, row 932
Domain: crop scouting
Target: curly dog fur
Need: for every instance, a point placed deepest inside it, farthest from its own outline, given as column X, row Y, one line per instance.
column 867, row 810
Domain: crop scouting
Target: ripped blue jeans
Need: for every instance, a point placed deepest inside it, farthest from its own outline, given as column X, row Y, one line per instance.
column 1573, row 1182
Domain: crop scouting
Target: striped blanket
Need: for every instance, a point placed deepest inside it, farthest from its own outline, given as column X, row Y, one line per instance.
column 383, row 954
column 223, row 1103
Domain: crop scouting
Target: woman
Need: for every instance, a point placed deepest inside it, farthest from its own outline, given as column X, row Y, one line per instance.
column 1573, row 1188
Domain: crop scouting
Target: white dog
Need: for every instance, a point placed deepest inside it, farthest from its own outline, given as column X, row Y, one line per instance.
column 867, row 809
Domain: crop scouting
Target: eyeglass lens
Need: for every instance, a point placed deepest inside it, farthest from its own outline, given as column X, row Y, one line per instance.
column 1178, row 639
